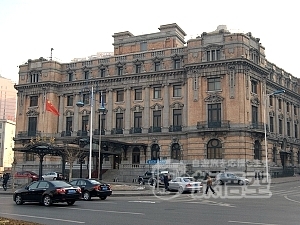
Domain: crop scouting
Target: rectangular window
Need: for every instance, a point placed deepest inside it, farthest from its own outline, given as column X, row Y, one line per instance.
column 102, row 72
column 177, row 117
column 287, row 107
column 255, row 116
column 280, row 126
column 214, row 84
column 86, row 75
column 69, row 127
column 279, row 103
column 70, row 76
column 119, row 121
column 156, row 92
column 138, row 68
column 295, row 110
column 103, row 98
column 288, row 128
column 137, row 119
column 103, row 118
column 70, row 100
column 296, row 131
column 29, row 156
column 120, row 96
column 33, row 101
column 157, row 119
column 271, row 124
column 143, row 46
column 120, row 71
column 157, row 66
column 86, row 99
column 271, row 100
column 138, row 94
column 208, row 56
column 214, row 115
column 32, row 125
column 254, row 86
column 176, row 63
column 85, row 124
column 177, row 91
column 213, row 55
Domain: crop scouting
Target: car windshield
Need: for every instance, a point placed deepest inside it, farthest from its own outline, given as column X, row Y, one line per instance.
column 188, row 179
column 60, row 183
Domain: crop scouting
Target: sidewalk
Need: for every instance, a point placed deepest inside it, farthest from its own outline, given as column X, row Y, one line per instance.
column 132, row 189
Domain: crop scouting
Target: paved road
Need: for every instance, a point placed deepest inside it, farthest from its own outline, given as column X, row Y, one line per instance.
column 281, row 207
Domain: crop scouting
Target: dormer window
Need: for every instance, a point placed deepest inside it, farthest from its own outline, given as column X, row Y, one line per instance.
column 34, row 77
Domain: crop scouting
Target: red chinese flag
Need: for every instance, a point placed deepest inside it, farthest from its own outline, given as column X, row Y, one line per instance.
column 51, row 108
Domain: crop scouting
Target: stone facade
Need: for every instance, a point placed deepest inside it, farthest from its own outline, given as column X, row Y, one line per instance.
column 195, row 100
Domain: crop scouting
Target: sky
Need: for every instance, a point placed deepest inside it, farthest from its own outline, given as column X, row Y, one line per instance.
column 78, row 29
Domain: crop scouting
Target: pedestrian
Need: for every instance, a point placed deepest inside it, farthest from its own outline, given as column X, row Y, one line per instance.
column 166, row 182
column 209, row 185
column 5, row 180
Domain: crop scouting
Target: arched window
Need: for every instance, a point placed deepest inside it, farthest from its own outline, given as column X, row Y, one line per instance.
column 155, row 152
column 257, row 150
column 136, row 156
column 214, row 149
column 175, row 152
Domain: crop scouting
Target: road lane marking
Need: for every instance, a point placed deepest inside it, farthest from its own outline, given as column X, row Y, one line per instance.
column 44, row 218
column 291, row 199
column 143, row 202
column 244, row 222
column 108, row 211
column 213, row 203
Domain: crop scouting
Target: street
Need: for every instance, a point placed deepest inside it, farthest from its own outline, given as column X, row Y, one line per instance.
column 280, row 208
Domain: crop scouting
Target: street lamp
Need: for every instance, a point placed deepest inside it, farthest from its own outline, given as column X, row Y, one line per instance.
column 81, row 104
column 101, row 110
column 265, row 127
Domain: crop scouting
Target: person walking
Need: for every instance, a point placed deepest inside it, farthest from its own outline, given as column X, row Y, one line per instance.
column 5, row 180
column 209, row 185
column 166, row 182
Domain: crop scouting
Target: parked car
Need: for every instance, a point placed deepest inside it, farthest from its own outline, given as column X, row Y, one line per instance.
column 47, row 193
column 92, row 188
column 27, row 174
column 51, row 176
column 185, row 184
column 226, row 177
column 151, row 177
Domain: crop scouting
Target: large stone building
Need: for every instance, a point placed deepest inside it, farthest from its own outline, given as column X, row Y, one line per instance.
column 200, row 102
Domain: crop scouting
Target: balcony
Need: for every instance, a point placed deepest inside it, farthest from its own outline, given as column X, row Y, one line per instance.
column 175, row 128
column 213, row 125
column 135, row 130
column 117, row 131
column 66, row 133
column 81, row 133
column 154, row 129
column 257, row 126
column 26, row 134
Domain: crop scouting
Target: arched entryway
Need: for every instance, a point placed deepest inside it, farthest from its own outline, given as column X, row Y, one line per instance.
column 155, row 152
column 175, row 151
column 214, row 149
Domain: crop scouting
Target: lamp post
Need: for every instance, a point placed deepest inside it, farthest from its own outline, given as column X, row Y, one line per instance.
column 101, row 110
column 81, row 104
column 265, row 128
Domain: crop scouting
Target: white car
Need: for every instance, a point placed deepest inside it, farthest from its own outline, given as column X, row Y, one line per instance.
column 223, row 178
column 185, row 184
column 50, row 176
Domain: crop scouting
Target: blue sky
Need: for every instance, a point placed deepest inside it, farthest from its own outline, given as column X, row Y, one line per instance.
column 75, row 29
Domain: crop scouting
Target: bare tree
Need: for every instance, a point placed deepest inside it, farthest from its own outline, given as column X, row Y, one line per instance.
column 72, row 152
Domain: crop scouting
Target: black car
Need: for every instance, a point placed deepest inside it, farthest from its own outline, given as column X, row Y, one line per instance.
column 47, row 192
column 92, row 188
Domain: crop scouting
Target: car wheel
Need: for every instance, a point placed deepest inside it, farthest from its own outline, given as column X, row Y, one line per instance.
column 241, row 182
column 54, row 178
column 103, row 197
column 220, row 182
column 86, row 196
column 180, row 190
column 47, row 200
column 19, row 200
column 71, row 202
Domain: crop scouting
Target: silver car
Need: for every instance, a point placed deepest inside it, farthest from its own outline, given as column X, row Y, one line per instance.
column 223, row 178
column 185, row 184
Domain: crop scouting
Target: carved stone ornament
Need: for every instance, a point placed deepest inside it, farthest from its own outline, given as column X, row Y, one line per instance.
column 32, row 112
column 255, row 101
column 137, row 108
column 280, row 116
column 272, row 113
column 177, row 105
column 119, row 109
column 214, row 98
column 156, row 106
column 296, row 121
column 68, row 113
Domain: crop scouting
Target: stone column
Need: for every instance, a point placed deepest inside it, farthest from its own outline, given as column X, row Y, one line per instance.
column 127, row 112
column 61, row 119
column 146, row 116
column 109, row 114
column 76, row 116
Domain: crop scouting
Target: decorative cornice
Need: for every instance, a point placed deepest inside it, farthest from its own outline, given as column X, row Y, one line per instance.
column 213, row 98
column 32, row 112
